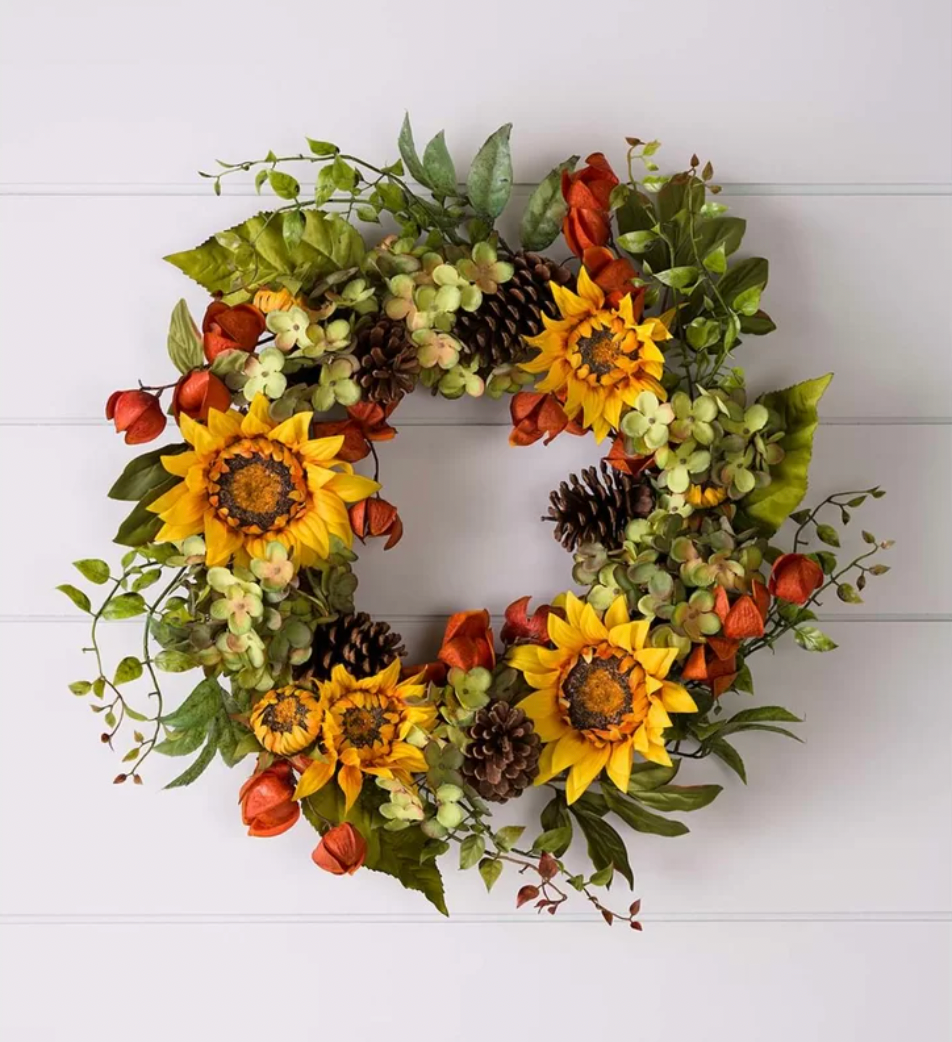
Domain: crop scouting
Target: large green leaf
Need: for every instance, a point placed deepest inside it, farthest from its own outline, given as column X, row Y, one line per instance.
column 438, row 164
column 770, row 506
column 202, row 761
column 201, row 706
column 605, row 846
column 398, row 854
column 144, row 474
column 490, row 177
column 185, row 341
column 545, row 210
column 679, row 797
column 638, row 818
column 236, row 262
column 408, row 152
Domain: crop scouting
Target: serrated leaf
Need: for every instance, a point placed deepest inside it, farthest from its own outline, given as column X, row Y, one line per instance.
column 770, row 506
column 93, row 569
column 605, row 846
column 398, row 854
column 199, row 708
column 489, row 183
column 679, row 797
column 811, row 639
column 129, row 669
column 184, row 340
column 438, row 164
column 490, row 869
column 125, row 606
column 546, row 209
column 204, row 758
column 76, row 596
column 641, row 820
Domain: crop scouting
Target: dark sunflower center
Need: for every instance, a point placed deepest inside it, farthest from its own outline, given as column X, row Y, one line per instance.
column 285, row 714
column 598, row 694
column 361, row 725
column 598, row 350
column 256, row 487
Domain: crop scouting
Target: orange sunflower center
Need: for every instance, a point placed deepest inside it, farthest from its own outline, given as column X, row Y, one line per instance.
column 598, row 694
column 257, row 485
column 285, row 714
column 599, row 350
column 366, row 722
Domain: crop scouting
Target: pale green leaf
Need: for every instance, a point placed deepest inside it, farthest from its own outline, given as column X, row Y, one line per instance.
column 184, row 341
column 489, row 183
column 546, row 209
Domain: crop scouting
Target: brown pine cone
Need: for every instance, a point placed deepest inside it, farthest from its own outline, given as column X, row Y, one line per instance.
column 494, row 333
column 503, row 755
column 597, row 508
column 387, row 360
column 363, row 647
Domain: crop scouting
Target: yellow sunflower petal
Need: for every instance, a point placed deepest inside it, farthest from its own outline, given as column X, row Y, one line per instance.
column 543, row 680
column 321, row 451
column 676, row 699
column 312, row 532
column 550, row 728
column 314, row 778
column 351, row 781
column 559, row 372
column 188, row 510
column 589, row 291
column 257, row 420
column 180, row 463
column 656, row 661
column 625, row 311
column 619, row 764
column 585, row 771
column 199, row 436
column 612, row 412
column 573, row 610
column 569, row 749
column 352, row 487
column 224, row 425
column 220, row 540
column 562, row 634
column 317, row 477
column 168, row 499
column 592, row 626
column 540, row 703
column 293, row 432
column 407, row 758
column 657, row 753
column 525, row 657
column 570, row 304
column 546, row 770
column 617, row 614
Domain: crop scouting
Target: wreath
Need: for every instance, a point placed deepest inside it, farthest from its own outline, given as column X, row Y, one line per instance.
column 315, row 333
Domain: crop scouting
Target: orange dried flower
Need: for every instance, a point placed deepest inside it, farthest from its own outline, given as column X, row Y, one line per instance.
column 227, row 328
column 795, row 578
column 376, row 517
column 267, row 806
column 341, row 851
column 587, row 192
column 197, row 392
column 519, row 626
column 137, row 414
column 468, row 641
column 366, row 422
column 536, row 415
column 613, row 276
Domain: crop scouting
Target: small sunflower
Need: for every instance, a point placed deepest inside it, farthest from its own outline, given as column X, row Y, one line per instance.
column 364, row 730
column 599, row 357
column 249, row 481
column 601, row 695
column 286, row 720
column 705, row 496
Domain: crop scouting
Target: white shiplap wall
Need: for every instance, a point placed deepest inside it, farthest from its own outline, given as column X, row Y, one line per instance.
column 814, row 904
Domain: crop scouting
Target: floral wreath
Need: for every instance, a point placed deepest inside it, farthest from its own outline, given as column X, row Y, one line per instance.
column 247, row 524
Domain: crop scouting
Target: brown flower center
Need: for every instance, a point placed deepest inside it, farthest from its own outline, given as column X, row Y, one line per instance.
column 597, row 693
column 285, row 714
column 363, row 725
column 598, row 350
column 257, row 485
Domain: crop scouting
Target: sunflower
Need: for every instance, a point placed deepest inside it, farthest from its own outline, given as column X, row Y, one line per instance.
column 286, row 720
column 364, row 730
column 249, row 481
column 600, row 357
column 705, row 496
column 601, row 695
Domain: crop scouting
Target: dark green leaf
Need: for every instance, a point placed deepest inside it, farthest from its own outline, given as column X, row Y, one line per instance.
column 204, row 758
column 605, row 846
column 183, row 742
column 94, row 570
column 758, row 324
column 546, row 209
column 679, row 797
column 145, row 473
column 556, row 841
column 398, row 854
column 489, row 183
column 199, row 708
column 638, row 818
column 771, row 713
column 125, row 606
column 438, row 164
column 726, row 752
column 745, row 274
column 647, row 776
column 184, row 341
column 76, row 596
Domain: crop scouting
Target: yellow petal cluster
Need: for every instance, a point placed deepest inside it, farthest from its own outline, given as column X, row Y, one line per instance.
column 601, row 695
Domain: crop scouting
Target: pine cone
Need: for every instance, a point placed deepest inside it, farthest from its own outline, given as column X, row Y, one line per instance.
column 494, row 333
column 362, row 646
column 387, row 360
column 597, row 508
column 503, row 754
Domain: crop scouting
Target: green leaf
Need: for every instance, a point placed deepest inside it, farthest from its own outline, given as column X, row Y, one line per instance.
column 556, row 841
column 130, row 668
column 827, row 534
column 546, row 209
column 147, row 579
column 204, row 758
column 293, row 229
column 603, row 876
column 647, row 776
column 76, row 596
column 678, row 278
column 324, row 187
column 508, row 836
column 408, row 152
column 726, row 752
column 125, row 606
column 142, row 526
column 328, row 244
column 680, row 797
column 490, row 869
column 185, row 341
column 557, row 823
column 770, row 506
column 171, row 661
column 438, row 164
column 283, row 185
column 80, row 687
column 772, row 713
column 398, row 854
column 321, row 148
column 345, row 176
column 638, row 818
column 744, row 681
column 471, row 850
column 145, row 473
column 716, row 260
column 811, row 639
column 94, row 570
column 182, row 743
column 638, row 241
column 490, row 177
column 605, row 846
column 745, row 274
column 199, row 708
column 758, row 324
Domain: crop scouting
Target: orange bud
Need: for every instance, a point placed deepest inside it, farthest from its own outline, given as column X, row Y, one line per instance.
column 341, row 851
column 795, row 578
column 535, row 415
column 267, row 804
column 197, row 392
column 619, row 459
column 376, row 517
column 227, row 328
column 588, row 193
column 613, row 276
column 468, row 641
column 743, row 620
column 519, row 626
column 138, row 414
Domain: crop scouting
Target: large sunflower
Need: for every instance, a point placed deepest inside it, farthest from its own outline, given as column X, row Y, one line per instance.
column 600, row 357
column 601, row 695
column 364, row 730
column 249, row 481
